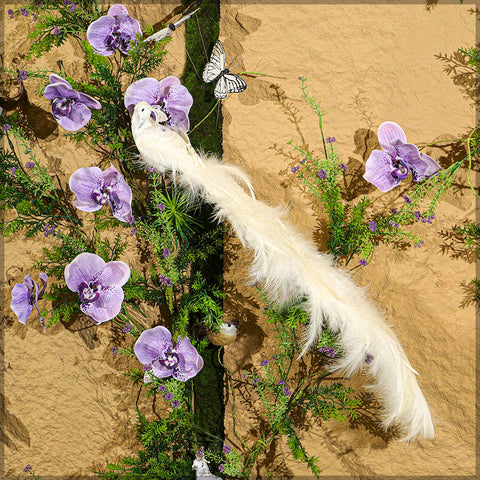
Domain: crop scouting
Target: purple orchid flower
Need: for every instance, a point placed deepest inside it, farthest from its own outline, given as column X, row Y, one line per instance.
column 70, row 108
column 98, row 284
column 94, row 188
column 113, row 31
column 155, row 349
column 173, row 98
column 25, row 296
column 387, row 169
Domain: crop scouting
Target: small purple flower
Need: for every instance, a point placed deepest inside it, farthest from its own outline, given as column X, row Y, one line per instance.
column 173, row 98
column 98, row 284
column 394, row 210
column 303, row 160
column 161, row 207
column 200, row 452
column 419, row 243
column 114, row 351
column 23, row 74
column 393, row 224
column 417, row 215
column 221, row 468
column 281, row 382
column 276, row 357
column 328, row 351
column 48, row 230
column 25, row 296
column 72, row 7
column 113, row 31
column 168, row 396
column 24, row 12
column 286, row 391
column 127, row 328
column 154, row 347
column 372, row 226
column 343, row 167
column 255, row 381
column 386, row 169
column 56, row 30
column 71, row 109
column 368, row 358
column 362, row 262
column 10, row 13
column 226, row 449
column 330, row 140
column 132, row 231
column 6, row 127
column 166, row 252
column 264, row 363
column 161, row 388
column 295, row 169
column 300, row 78
column 322, row 174
column 407, row 199
column 94, row 188
column 13, row 171
column 28, row 468
column 30, row 165
column 165, row 281
column 175, row 404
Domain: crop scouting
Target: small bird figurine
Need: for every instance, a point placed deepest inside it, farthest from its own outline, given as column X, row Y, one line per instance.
column 226, row 334
column 200, row 465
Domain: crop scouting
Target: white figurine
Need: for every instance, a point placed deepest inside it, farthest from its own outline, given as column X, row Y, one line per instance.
column 201, row 467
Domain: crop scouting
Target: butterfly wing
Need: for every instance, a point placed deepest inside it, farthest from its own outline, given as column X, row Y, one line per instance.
column 160, row 35
column 229, row 83
column 216, row 64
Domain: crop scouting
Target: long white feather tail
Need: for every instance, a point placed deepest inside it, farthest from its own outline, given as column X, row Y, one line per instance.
column 290, row 267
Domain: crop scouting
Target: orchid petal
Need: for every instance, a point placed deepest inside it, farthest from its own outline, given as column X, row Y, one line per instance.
column 83, row 182
column 78, row 117
column 60, row 90
column 115, row 273
column 146, row 89
column 189, row 361
column 98, row 31
column 21, row 302
column 85, row 268
column 152, row 343
column 378, row 171
column 117, row 9
column 388, row 132
column 106, row 307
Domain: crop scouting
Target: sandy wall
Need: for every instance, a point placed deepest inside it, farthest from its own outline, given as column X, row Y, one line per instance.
column 366, row 64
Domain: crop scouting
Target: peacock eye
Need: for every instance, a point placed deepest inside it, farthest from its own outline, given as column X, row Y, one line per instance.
column 229, row 324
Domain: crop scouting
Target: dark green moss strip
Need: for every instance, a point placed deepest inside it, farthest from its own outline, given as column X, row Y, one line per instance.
column 209, row 383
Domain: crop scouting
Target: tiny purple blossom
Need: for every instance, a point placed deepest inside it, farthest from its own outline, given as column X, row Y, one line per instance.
column 25, row 296
column 255, row 381
column 6, row 127
column 113, row 31
column 132, row 231
column 286, row 391
column 161, row 388
column 226, row 449
column 93, row 188
column 419, row 243
column 417, row 215
column 386, row 169
column 407, row 199
column 362, row 262
column 127, row 328
column 372, row 226
column 98, row 284
column 114, row 351
column 71, row 109
column 161, row 207
column 295, row 169
column 175, row 404
column 30, row 165
column 72, row 7
column 322, row 174
column 23, row 74
column 24, row 12
column 168, row 396
column 165, row 281
column 394, row 210
column 56, row 30
column 303, row 160
column 264, row 363
column 330, row 140
column 173, row 98
column 10, row 13
column 328, row 351
column 368, row 358
column 281, row 382
column 221, row 468
column 13, row 171
column 155, row 347
column 166, row 252
column 343, row 167
column 28, row 468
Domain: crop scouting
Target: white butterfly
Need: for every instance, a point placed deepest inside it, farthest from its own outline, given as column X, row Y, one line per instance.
column 167, row 31
column 215, row 70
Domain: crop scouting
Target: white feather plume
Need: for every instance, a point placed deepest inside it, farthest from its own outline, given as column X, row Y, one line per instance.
column 290, row 267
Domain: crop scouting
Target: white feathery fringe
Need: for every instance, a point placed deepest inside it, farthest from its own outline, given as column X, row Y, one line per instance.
column 290, row 268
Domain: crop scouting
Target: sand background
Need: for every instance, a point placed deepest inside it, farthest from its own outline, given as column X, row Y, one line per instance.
column 67, row 406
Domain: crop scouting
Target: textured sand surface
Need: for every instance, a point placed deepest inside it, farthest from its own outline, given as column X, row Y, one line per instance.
column 67, row 406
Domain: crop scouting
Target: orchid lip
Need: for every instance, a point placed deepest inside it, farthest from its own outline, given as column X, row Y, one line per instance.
column 89, row 292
